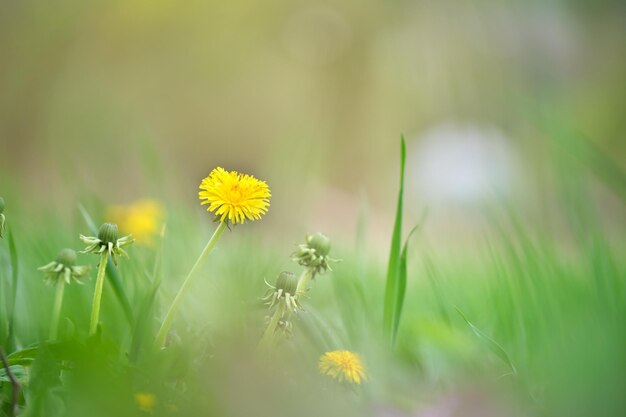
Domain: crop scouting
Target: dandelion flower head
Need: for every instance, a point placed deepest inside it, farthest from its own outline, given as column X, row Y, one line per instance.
column 234, row 197
column 145, row 401
column 343, row 365
column 143, row 219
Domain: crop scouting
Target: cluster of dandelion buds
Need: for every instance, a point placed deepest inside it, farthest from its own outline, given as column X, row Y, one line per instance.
column 284, row 297
column 64, row 268
column 107, row 241
column 313, row 254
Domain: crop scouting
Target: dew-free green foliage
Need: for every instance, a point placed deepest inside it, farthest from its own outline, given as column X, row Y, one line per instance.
column 396, row 270
column 530, row 321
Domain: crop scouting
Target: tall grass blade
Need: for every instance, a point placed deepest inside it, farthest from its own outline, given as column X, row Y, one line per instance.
column 393, row 270
column 401, row 284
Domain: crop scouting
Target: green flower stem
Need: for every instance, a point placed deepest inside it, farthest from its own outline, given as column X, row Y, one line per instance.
column 56, row 309
column 303, row 281
column 169, row 317
column 267, row 341
column 97, row 295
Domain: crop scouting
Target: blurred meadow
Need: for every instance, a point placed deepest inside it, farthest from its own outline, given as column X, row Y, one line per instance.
column 509, row 298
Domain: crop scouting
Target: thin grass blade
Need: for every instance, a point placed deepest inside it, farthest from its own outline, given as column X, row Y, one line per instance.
column 393, row 270
column 401, row 284
column 491, row 344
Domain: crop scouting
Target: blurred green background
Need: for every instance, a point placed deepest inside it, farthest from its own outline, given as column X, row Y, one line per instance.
column 145, row 97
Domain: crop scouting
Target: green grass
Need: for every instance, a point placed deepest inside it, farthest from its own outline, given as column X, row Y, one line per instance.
column 528, row 322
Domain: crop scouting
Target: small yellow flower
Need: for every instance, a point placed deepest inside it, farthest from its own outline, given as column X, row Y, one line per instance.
column 142, row 219
column 343, row 365
column 145, row 401
column 234, row 196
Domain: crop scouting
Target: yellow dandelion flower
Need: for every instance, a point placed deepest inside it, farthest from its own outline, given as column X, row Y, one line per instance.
column 145, row 401
column 343, row 365
column 234, row 196
column 143, row 219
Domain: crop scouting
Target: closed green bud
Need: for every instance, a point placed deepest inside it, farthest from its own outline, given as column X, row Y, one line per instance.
column 67, row 257
column 320, row 243
column 285, row 292
column 287, row 282
column 107, row 241
column 64, row 268
column 313, row 254
column 1, row 205
column 108, row 233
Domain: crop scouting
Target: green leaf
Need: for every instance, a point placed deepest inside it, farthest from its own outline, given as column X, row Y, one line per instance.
column 401, row 285
column 18, row 372
column 23, row 357
column 114, row 276
column 491, row 344
column 45, row 382
column 393, row 270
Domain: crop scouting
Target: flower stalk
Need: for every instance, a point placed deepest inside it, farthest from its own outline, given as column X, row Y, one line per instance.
column 171, row 312
column 97, row 294
column 269, row 336
column 233, row 198
column 304, row 280
column 63, row 270
column 106, row 244
column 56, row 310
column 284, row 299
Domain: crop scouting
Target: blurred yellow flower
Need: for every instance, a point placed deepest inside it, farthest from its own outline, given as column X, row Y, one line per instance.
column 234, row 196
column 142, row 219
column 145, row 401
column 343, row 365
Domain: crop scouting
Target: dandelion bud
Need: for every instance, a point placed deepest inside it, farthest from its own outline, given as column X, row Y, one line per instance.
column 67, row 257
column 287, row 282
column 64, row 268
column 108, row 233
column 284, row 292
column 314, row 253
column 320, row 243
column 107, row 241
column 1, row 205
